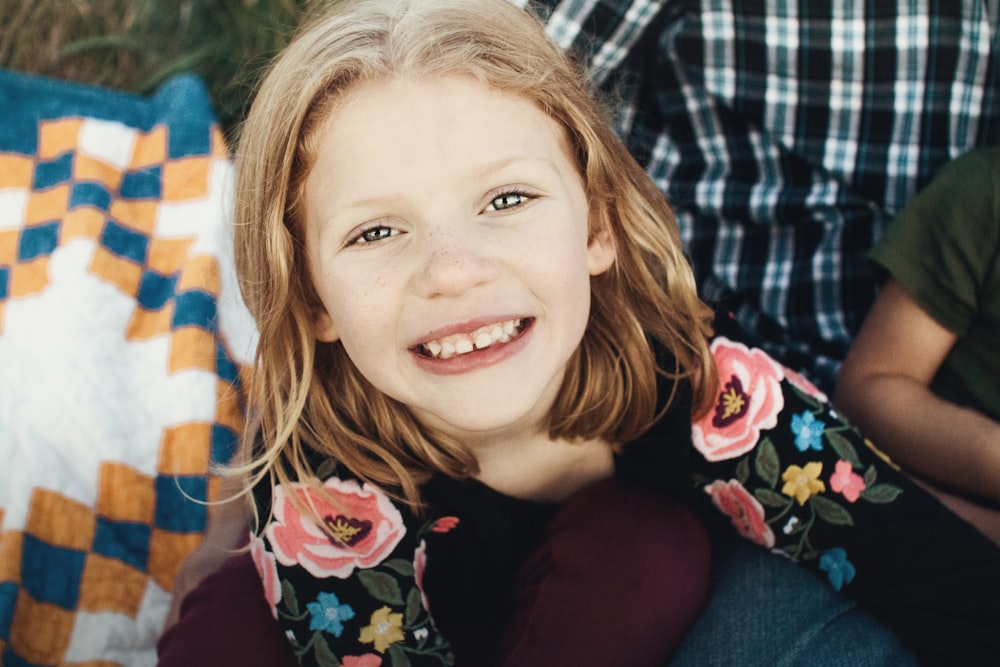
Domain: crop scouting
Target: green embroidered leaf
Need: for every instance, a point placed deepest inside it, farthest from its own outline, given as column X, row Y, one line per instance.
column 870, row 476
column 381, row 586
column 326, row 469
column 880, row 494
column 766, row 464
column 401, row 566
column 809, row 399
column 449, row 659
column 772, row 498
column 843, row 447
column 288, row 596
column 413, row 606
column 397, row 656
column 743, row 471
column 324, row 656
column 831, row 512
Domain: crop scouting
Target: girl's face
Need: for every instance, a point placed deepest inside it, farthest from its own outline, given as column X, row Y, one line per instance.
column 447, row 235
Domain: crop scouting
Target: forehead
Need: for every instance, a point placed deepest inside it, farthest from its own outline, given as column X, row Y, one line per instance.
column 447, row 120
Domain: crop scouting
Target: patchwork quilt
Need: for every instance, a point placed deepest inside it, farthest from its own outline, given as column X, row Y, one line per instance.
column 122, row 346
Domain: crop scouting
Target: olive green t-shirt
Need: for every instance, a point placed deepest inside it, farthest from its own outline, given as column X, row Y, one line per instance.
column 943, row 248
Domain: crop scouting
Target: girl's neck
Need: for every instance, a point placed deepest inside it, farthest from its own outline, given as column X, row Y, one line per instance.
column 545, row 470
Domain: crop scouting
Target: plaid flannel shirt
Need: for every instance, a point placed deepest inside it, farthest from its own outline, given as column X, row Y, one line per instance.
column 786, row 134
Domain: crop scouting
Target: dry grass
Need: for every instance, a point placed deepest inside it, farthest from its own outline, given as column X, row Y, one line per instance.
column 135, row 45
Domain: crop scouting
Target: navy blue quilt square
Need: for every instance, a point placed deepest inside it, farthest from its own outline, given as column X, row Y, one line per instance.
column 90, row 194
column 181, row 503
column 35, row 241
column 155, row 290
column 50, row 573
column 53, row 172
column 195, row 308
column 125, row 242
column 143, row 184
column 123, row 540
column 224, row 441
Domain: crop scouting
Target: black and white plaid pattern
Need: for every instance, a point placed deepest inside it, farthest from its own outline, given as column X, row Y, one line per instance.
column 787, row 133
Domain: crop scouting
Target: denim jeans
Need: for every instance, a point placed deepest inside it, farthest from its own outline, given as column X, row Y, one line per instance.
column 766, row 611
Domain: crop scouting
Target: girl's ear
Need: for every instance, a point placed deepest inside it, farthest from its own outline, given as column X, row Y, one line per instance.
column 601, row 251
column 323, row 326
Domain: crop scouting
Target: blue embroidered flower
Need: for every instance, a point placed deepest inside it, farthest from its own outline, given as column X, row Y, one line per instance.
column 838, row 569
column 328, row 614
column 808, row 431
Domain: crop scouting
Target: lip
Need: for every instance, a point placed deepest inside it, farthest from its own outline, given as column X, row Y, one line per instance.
column 476, row 359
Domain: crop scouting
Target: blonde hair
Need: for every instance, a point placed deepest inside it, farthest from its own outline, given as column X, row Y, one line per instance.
column 308, row 398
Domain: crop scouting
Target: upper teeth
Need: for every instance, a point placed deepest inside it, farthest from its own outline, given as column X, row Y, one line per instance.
column 481, row 338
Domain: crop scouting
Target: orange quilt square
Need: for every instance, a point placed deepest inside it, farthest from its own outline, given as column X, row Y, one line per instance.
column 60, row 521
column 125, row 494
column 111, row 585
column 40, row 632
column 55, row 137
column 185, row 449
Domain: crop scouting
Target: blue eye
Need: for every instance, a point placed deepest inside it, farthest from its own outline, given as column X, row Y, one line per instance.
column 374, row 234
column 506, row 201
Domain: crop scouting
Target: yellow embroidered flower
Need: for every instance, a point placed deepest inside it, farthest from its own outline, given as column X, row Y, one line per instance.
column 802, row 483
column 385, row 629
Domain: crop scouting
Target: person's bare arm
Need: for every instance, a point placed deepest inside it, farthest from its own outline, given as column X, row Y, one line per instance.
column 883, row 387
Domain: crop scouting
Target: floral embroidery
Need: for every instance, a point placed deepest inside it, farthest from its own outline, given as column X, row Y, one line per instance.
column 785, row 504
column 847, row 482
column 749, row 401
column 808, row 431
column 364, row 527
column 267, row 568
column 387, row 593
column 328, row 614
column 804, row 386
column 367, row 660
column 838, row 569
column 385, row 629
column 803, row 483
column 746, row 513
column 445, row 524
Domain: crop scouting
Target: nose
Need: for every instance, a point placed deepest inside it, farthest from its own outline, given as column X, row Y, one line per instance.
column 453, row 264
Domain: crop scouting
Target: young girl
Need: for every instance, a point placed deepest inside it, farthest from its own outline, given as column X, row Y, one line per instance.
column 480, row 352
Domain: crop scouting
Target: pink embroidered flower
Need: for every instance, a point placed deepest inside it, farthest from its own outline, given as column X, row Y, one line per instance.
column 749, row 402
column 362, row 527
column 366, row 660
column 802, row 383
column 445, row 524
column 746, row 513
column 267, row 568
column 847, row 482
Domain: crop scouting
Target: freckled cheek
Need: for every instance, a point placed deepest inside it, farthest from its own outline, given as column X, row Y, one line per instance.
column 362, row 310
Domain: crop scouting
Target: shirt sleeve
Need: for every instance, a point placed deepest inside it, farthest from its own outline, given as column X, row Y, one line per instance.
column 352, row 593
column 943, row 244
column 788, row 473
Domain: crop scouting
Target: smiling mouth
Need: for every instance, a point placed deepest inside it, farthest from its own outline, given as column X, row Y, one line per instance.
column 482, row 338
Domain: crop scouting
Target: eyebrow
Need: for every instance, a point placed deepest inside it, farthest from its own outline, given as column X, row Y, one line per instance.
column 480, row 171
column 505, row 162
